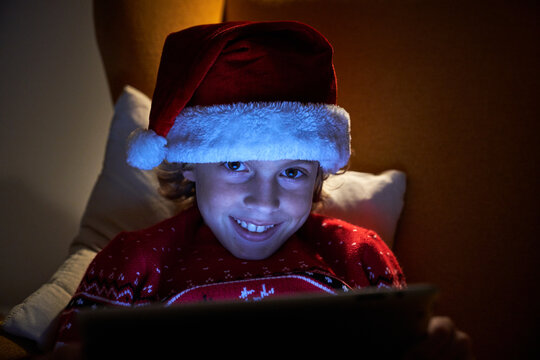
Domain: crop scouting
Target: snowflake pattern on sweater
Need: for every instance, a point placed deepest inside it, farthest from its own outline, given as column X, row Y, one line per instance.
column 179, row 260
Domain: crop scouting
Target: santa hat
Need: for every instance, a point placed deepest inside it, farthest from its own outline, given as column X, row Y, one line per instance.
column 240, row 91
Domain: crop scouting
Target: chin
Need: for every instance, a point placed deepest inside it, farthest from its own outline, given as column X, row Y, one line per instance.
column 251, row 254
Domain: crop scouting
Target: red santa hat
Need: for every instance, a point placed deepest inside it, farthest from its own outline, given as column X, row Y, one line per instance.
column 240, row 91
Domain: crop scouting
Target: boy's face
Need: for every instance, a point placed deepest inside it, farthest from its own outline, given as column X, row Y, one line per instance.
column 253, row 207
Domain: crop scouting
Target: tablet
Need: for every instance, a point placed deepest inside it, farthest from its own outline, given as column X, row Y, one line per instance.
column 368, row 322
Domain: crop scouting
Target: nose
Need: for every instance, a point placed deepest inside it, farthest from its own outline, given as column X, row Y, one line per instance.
column 262, row 194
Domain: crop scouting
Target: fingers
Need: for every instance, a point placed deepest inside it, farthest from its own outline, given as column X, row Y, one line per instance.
column 443, row 341
column 463, row 346
column 441, row 331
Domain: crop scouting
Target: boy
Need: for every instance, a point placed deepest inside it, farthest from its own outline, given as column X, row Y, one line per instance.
column 248, row 113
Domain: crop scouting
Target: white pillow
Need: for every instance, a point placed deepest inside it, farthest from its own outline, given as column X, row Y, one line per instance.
column 125, row 198
column 371, row 201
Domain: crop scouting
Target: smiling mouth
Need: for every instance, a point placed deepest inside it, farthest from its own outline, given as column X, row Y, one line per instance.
column 253, row 227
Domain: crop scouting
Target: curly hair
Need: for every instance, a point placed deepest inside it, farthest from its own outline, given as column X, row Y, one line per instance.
column 175, row 187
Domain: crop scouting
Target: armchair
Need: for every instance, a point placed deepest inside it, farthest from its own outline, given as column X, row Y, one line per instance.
column 444, row 91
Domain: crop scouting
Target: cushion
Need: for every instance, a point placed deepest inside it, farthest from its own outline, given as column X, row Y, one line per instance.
column 125, row 198
column 368, row 200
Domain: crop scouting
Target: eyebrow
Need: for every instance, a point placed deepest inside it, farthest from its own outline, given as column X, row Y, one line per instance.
column 301, row 162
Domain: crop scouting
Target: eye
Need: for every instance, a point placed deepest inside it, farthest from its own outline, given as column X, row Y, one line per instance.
column 235, row 166
column 292, row 173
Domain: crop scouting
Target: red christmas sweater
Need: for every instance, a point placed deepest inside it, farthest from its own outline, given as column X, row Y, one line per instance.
column 179, row 260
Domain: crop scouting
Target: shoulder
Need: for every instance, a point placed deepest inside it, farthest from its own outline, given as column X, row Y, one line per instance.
column 329, row 226
column 357, row 254
column 130, row 245
column 178, row 226
column 334, row 236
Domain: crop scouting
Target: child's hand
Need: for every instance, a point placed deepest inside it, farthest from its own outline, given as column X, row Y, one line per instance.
column 444, row 341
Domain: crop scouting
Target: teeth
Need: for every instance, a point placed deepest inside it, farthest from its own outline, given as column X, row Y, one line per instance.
column 253, row 227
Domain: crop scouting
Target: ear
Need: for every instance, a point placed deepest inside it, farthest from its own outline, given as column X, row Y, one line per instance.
column 189, row 174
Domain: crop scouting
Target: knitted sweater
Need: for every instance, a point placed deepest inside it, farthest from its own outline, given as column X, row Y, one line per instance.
column 179, row 260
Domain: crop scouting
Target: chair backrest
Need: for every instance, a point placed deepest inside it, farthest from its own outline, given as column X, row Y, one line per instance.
column 446, row 91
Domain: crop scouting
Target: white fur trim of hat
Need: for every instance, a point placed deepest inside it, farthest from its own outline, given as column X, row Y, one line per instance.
column 249, row 131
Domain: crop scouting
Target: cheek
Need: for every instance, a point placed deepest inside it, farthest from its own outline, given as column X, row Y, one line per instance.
column 298, row 203
column 215, row 197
